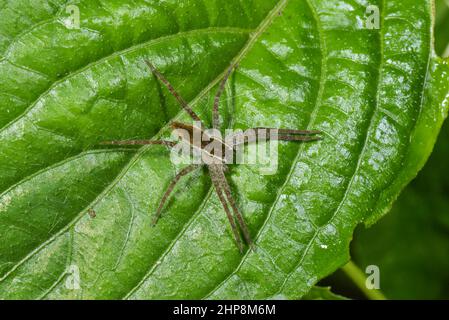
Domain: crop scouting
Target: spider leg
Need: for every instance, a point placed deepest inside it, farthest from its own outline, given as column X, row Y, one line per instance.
column 215, row 113
column 296, row 138
column 282, row 135
column 172, row 90
column 139, row 142
column 220, row 193
column 238, row 215
column 290, row 131
column 170, row 188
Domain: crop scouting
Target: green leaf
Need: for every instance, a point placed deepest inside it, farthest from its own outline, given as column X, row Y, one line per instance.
column 379, row 96
column 411, row 244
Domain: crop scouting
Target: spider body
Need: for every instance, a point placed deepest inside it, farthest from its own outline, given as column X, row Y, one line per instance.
column 216, row 153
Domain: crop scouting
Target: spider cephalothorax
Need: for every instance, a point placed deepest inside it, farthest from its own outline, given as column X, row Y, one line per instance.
column 216, row 159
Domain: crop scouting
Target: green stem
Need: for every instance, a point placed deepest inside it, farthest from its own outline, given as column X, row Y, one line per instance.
column 359, row 278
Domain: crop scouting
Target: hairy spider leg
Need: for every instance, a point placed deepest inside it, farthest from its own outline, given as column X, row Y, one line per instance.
column 215, row 112
column 139, row 143
column 283, row 135
column 172, row 185
column 227, row 190
column 172, row 90
column 291, row 131
column 170, row 189
column 220, row 193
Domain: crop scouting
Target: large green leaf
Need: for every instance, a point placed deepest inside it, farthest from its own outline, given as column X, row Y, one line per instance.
column 380, row 97
column 411, row 245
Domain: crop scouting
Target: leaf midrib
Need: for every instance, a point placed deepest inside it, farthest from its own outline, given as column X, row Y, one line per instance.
column 265, row 23
column 322, row 79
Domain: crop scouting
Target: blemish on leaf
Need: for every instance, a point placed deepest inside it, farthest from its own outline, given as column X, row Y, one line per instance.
column 92, row 213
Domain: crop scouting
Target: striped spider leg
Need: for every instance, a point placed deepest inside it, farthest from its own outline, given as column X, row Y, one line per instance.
column 217, row 164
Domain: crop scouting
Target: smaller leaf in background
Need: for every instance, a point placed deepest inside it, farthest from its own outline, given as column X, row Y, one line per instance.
column 411, row 245
column 442, row 28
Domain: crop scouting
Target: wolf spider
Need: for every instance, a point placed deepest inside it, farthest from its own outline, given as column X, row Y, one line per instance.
column 218, row 164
